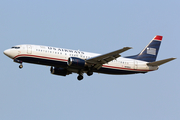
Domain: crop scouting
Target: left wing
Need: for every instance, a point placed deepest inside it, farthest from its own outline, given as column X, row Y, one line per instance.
column 105, row 58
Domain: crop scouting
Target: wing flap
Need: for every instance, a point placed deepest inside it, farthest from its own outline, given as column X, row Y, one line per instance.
column 98, row 61
column 160, row 62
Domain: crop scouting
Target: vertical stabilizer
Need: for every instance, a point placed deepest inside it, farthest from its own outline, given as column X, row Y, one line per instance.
column 150, row 52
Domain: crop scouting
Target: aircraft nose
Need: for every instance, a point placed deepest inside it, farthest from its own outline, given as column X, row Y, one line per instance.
column 10, row 53
column 7, row 52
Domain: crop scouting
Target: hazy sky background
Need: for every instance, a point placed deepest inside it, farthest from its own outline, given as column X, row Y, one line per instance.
column 99, row 26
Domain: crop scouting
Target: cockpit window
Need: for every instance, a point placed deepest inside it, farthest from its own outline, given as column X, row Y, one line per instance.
column 16, row 47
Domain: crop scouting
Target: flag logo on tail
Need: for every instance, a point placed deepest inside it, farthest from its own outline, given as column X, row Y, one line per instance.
column 151, row 51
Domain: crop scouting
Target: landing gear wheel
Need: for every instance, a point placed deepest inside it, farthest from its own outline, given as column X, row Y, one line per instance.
column 89, row 73
column 20, row 66
column 80, row 77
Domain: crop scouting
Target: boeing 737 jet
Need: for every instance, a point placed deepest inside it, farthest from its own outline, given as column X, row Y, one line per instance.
column 66, row 61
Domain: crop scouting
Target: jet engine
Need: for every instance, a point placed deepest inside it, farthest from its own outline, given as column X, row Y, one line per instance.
column 59, row 71
column 76, row 62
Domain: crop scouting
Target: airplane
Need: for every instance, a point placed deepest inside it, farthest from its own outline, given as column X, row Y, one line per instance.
column 66, row 61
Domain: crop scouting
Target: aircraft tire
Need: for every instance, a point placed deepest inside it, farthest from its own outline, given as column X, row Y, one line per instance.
column 89, row 73
column 80, row 77
column 20, row 66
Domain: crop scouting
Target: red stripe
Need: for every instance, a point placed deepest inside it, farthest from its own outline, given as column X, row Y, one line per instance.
column 120, row 68
column 158, row 37
column 125, row 68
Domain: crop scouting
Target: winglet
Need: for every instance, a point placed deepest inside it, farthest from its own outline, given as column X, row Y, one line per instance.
column 160, row 62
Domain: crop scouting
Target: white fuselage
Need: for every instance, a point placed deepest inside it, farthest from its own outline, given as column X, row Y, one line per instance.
column 33, row 53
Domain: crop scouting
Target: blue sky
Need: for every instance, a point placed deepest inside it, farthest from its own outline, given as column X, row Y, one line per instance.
column 95, row 26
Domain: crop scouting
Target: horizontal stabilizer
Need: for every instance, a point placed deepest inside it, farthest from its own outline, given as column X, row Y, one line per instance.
column 160, row 62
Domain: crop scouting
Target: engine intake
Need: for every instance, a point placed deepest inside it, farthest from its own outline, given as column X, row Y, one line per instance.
column 59, row 71
column 76, row 62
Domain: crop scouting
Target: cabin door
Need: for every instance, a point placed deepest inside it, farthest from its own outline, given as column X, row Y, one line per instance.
column 135, row 64
column 29, row 49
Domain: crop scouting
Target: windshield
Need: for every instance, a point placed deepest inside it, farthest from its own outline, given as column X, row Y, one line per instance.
column 16, row 47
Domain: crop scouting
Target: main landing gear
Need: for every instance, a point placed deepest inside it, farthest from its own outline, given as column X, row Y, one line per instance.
column 89, row 73
column 80, row 77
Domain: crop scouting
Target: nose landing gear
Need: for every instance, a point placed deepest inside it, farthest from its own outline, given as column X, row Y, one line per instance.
column 19, row 61
column 21, row 66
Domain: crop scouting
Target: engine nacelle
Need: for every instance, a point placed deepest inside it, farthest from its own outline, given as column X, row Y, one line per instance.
column 59, row 71
column 76, row 62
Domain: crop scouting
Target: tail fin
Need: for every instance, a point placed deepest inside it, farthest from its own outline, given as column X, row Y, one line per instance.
column 150, row 52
